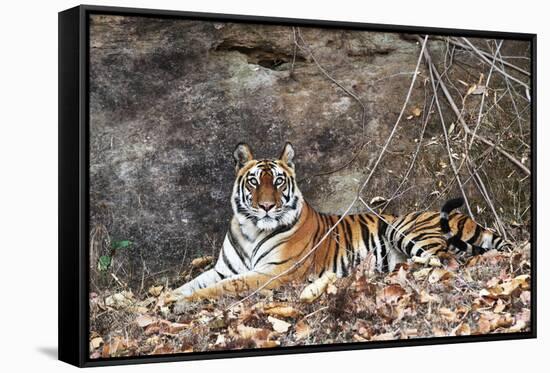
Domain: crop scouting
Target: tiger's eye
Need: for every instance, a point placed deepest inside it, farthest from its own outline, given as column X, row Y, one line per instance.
column 279, row 181
column 253, row 182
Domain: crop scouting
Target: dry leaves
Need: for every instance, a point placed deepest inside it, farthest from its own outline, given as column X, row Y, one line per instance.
column 416, row 300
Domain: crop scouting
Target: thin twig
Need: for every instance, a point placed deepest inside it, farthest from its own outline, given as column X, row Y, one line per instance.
column 500, row 59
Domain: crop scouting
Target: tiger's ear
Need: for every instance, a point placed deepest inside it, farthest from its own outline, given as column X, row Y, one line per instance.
column 288, row 155
column 242, row 155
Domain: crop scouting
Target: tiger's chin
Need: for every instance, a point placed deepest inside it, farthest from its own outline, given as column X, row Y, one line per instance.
column 267, row 224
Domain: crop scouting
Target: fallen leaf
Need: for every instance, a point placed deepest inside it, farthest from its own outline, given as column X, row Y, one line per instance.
column 383, row 337
column 279, row 326
column 483, row 327
column 398, row 276
column 476, row 89
column 302, row 330
column 490, row 321
column 391, row 293
column 175, row 328
column 358, row 338
column 259, row 336
column 120, row 300
column 425, row 297
column 524, row 315
column 250, row 332
column 507, row 288
column 421, row 274
column 479, row 90
column 448, row 314
column 115, row 346
column 438, row 332
column 331, row 289
column 280, row 310
column 439, row 274
column 268, row 344
column 220, row 340
column 377, row 199
column 144, row 320
column 525, row 297
column 96, row 342
column 462, row 329
column 155, row 290
column 416, row 112
column 500, row 306
column 409, row 333
column 493, row 282
column 451, row 128
column 163, row 349
column 519, row 326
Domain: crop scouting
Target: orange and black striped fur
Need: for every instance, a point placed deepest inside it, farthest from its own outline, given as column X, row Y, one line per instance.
column 273, row 228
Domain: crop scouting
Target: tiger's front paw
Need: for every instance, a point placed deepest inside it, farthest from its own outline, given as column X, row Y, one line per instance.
column 177, row 296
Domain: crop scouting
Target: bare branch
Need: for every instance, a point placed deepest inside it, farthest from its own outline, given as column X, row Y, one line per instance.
column 485, row 59
column 480, row 115
column 463, row 122
column 500, row 59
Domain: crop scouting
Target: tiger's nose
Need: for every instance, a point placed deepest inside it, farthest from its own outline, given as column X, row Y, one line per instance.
column 266, row 205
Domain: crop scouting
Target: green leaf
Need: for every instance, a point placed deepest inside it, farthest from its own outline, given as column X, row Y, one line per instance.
column 121, row 244
column 104, row 262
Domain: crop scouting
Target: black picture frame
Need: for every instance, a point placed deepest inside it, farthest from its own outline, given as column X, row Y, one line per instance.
column 74, row 184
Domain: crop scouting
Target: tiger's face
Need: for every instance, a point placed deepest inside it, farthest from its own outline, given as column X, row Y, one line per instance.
column 265, row 194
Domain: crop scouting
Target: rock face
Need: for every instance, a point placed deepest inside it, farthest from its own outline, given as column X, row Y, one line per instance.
column 170, row 99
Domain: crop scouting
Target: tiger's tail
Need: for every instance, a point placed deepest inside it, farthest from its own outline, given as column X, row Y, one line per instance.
column 454, row 241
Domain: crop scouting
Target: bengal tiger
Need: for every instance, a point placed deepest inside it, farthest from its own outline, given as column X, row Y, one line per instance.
column 273, row 228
